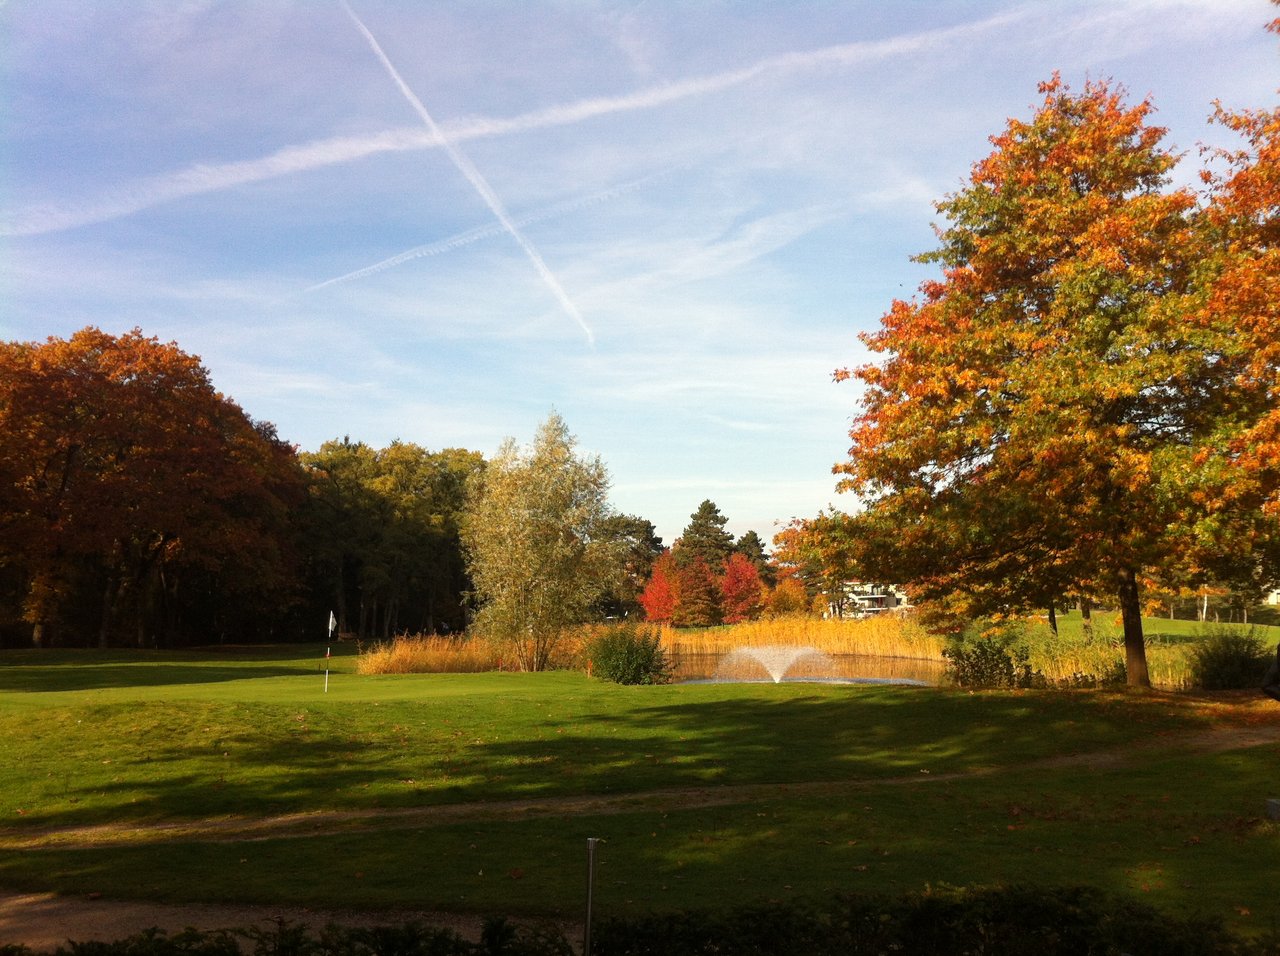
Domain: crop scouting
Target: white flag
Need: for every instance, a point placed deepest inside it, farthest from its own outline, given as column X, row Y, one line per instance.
column 333, row 624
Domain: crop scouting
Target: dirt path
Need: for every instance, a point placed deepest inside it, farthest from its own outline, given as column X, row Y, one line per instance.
column 44, row 921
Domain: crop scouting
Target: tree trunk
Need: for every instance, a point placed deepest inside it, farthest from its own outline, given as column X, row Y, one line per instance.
column 1086, row 617
column 1053, row 621
column 108, row 613
column 37, row 634
column 1135, row 648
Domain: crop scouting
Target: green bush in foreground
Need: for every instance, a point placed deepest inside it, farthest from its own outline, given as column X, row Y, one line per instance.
column 629, row 654
column 1228, row 660
column 1047, row 921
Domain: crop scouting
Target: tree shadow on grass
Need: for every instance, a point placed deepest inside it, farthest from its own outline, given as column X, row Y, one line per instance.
column 74, row 670
column 736, row 738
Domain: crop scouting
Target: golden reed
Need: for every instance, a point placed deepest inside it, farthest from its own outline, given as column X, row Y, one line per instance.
column 883, row 636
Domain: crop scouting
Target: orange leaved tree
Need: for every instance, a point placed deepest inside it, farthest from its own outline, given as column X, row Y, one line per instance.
column 122, row 470
column 1042, row 412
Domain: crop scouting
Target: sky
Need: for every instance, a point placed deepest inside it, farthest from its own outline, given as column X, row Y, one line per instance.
column 440, row 222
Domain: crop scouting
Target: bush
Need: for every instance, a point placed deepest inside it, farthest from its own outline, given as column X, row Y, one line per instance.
column 990, row 660
column 1047, row 921
column 1229, row 660
column 629, row 654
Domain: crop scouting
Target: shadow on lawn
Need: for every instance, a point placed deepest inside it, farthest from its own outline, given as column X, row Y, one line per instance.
column 73, row 670
column 686, row 743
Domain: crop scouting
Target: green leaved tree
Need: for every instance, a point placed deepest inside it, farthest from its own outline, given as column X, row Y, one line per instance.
column 534, row 536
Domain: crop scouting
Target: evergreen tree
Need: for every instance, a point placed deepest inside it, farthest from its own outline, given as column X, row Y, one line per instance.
column 705, row 538
column 751, row 547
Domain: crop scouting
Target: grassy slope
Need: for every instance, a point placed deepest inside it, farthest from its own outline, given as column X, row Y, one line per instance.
column 88, row 738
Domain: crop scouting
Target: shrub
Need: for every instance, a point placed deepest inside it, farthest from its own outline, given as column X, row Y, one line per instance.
column 1229, row 660
column 999, row 659
column 629, row 654
column 1047, row 921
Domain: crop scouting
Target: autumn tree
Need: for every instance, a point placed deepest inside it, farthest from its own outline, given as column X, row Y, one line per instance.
column 741, row 590
column 659, row 595
column 533, row 544
column 1039, row 408
column 128, row 477
column 820, row 553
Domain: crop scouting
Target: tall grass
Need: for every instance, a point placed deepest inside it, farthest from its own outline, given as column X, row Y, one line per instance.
column 1171, row 650
column 423, row 654
column 883, row 636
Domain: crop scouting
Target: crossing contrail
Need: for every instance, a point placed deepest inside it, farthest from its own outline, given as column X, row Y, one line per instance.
column 468, row 169
column 332, row 151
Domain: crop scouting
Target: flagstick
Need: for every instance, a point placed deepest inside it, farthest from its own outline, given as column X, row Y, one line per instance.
column 333, row 626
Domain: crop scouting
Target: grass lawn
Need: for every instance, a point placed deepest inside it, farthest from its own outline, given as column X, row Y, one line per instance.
column 788, row 789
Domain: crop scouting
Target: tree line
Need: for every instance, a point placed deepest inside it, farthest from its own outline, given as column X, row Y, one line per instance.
column 141, row 507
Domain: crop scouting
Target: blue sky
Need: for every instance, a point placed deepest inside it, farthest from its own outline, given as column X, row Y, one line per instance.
column 440, row 221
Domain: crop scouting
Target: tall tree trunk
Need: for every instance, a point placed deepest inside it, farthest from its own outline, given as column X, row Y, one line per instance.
column 37, row 634
column 1053, row 621
column 108, row 612
column 1086, row 617
column 1135, row 648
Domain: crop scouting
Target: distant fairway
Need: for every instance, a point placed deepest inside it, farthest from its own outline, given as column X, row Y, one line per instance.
column 229, row 776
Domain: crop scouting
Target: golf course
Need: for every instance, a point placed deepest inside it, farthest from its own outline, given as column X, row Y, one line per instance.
column 236, row 776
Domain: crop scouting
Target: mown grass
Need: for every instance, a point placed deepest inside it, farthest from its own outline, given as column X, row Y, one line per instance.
column 123, row 739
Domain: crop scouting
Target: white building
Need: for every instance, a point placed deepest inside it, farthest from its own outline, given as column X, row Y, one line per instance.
column 865, row 599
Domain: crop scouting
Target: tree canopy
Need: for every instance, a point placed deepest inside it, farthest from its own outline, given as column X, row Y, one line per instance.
column 125, row 474
column 1047, row 411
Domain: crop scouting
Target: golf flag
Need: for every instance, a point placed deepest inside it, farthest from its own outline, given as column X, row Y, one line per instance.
column 333, row 626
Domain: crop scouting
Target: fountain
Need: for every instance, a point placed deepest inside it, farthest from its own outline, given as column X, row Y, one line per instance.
column 779, row 662
column 776, row 659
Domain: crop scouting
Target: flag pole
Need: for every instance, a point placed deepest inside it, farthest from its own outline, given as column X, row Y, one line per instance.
column 333, row 626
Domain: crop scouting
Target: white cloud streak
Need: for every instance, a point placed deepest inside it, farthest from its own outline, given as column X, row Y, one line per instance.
column 478, row 182
column 205, row 178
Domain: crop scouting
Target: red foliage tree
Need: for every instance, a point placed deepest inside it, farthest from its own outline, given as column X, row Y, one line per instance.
column 740, row 589
column 659, row 596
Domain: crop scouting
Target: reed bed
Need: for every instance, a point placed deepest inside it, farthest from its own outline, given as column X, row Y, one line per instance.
column 429, row 654
column 883, row 636
column 1070, row 655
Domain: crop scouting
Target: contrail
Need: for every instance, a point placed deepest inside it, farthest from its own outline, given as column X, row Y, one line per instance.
column 204, row 178
column 468, row 169
column 484, row 232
